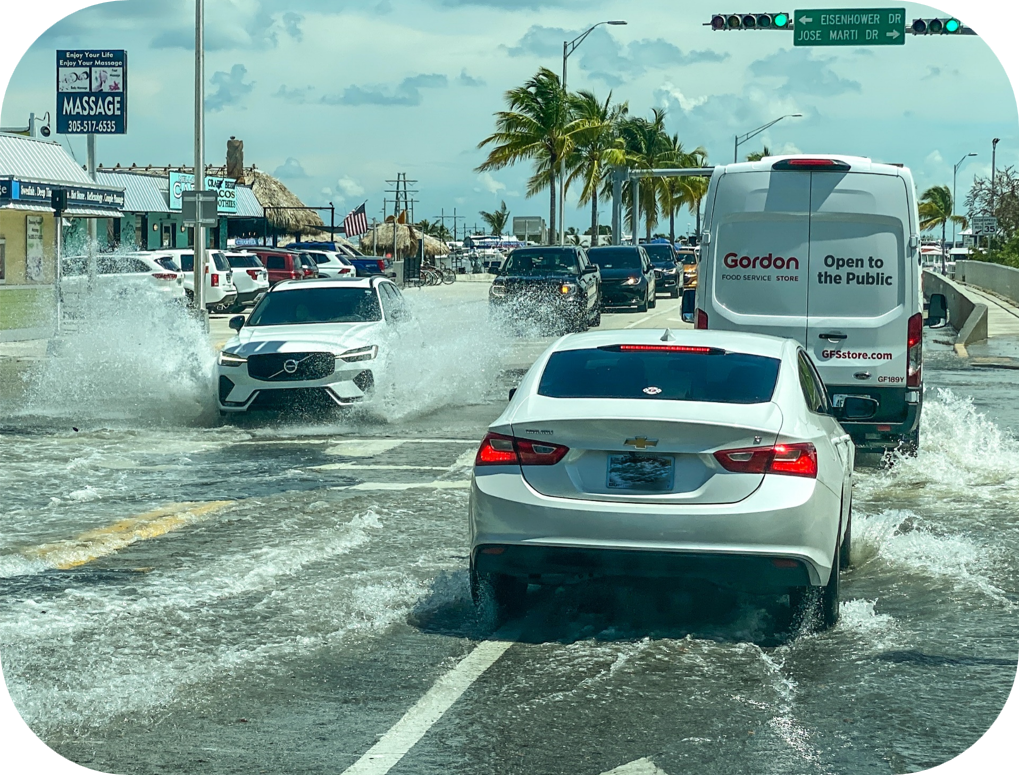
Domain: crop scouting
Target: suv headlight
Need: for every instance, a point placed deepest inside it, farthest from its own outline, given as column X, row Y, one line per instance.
column 631, row 280
column 359, row 354
column 231, row 359
column 567, row 288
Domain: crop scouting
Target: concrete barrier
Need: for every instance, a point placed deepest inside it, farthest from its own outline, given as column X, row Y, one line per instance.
column 1002, row 280
column 965, row 315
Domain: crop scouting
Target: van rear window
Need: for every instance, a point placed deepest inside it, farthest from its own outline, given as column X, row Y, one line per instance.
column 718, row 376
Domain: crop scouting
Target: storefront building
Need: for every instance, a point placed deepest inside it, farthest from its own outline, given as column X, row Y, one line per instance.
column 31, row 171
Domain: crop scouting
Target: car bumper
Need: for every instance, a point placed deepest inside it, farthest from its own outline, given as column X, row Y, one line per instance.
column 666, row 283
column 623, row 296
column 239, row 392
column 248, row 297
column 790, row 520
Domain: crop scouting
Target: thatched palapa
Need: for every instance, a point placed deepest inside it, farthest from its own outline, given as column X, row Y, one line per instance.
column 271, row 194
column 379, row 240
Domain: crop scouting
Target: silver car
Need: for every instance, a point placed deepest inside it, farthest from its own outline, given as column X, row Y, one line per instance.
column 648, row 453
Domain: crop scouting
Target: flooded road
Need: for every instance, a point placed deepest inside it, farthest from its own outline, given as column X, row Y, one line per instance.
column 178, row 593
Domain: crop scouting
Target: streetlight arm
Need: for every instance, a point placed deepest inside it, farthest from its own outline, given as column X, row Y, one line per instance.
column 755, row 132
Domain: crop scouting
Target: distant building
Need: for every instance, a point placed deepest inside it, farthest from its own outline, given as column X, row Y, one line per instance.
column 530, row 228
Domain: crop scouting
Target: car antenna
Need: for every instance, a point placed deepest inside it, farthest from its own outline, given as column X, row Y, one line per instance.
column 667, row 336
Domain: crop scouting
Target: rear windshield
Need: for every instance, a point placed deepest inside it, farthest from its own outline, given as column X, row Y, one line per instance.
column 167, row 263
column 316, row 305
column 187, row 261
column 615, row 258
column 531, row 261
column 243, row 260
column 688, row 259
column 661, row 255
column 721, row 377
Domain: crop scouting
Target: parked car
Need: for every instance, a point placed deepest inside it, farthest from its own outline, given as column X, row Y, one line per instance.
column 280, row 264
column 553, row 287
column 308, row 265
column 366, row 266
column 220, row 292
column 627, row 276
column 310, row 344
column 679, row 456
column 250, row 278
column 332, row 264
column 121, row 274
column 668, row 274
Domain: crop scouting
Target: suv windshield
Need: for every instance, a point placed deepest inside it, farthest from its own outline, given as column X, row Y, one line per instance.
column 539, row 261
column 615, row 258
column 316, row 305
column 665, row 375
column 661, row 255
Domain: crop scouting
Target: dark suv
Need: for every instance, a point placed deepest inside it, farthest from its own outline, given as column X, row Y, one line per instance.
column 668, row 273
column 628, row 277
column 554, row 287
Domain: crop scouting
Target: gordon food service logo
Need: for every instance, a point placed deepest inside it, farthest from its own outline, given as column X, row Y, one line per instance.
column 736, row 261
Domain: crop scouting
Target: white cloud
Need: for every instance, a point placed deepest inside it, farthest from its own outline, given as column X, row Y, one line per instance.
column 348, row 187
column 934, row 157
column 670, row 94
column 490, row 184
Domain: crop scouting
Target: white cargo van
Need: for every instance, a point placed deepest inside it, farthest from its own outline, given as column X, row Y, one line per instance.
column 824, row 250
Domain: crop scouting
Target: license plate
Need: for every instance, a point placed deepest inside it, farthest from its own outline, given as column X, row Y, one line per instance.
column 651, row 473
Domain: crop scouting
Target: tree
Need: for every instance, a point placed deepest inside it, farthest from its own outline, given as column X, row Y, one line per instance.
column 496, row 220
column 935, row 209
column 1006, row 200
column 537, row 127
column 597, row 147
column 758, row 155
column 696, row 189
column 675, row 192
column 647, row 146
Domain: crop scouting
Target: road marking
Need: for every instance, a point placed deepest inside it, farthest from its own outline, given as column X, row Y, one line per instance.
column 406, row 732
column 105, row 541
column 639, row 767
column 370, row 466
column 364, row 447
column 649, row 317
column 379, row 486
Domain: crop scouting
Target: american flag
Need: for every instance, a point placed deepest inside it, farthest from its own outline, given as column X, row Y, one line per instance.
column 356, row 223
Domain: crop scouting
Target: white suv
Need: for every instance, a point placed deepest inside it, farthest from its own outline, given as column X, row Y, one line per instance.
column 220, row 293
column 251, row 279
column 331, row 264
column 310, row 344
column 119, row 273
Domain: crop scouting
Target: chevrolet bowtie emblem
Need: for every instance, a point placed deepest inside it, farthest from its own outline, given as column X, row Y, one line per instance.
column 641, row 442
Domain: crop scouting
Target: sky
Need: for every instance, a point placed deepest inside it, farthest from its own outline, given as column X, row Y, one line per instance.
column 335, row 97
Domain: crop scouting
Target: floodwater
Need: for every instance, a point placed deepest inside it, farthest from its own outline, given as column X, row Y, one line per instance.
column 186, row 594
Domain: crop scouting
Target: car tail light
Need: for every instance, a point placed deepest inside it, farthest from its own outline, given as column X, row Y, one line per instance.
column 914, row 345
column 382, row 266
column 294, row 275
column 165, row 275
column 701, row 320
column 253, row 273
column 788, row 459
column 215, row 280
column 499, row 450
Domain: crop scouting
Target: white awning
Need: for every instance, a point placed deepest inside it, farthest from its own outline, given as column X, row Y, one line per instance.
column 27, row 207
column 82, row 212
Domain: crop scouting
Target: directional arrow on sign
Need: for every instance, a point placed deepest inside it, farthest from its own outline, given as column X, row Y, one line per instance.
column 639, row 767
column 806, row 19
column 893, row 34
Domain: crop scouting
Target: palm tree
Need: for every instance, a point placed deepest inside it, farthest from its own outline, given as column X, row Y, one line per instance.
column 597, row 147
column 674, row 192
column 696, row 189
column 647, row 147
column 936, row 210
column 496, row 220
column 537, row 126
column 758, row 155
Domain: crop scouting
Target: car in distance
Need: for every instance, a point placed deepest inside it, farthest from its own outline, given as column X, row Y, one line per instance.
column 668, row 273
column 554, row 287
column 332, row 264
column 220, row 292
column 251, row 279
column 628, row 277
column 365, row 266
column 310, row 345
column 688, row 455
column 121, row 274
column 280, row 264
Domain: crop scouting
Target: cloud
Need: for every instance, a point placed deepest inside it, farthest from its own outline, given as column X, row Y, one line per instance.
column 468, row 80
column 668, row 95
column 230, row 88
column 406, row 93
column 490, row 184
column 608, row 60
column 934, row 157
column 298, row 94
column 291, row 168
column 510, row 5
column 802, row 74
column 348, row 187
column 292, row 25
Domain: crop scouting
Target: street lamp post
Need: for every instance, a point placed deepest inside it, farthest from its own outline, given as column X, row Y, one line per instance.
column 740, row 139
column 569, row 46
column 199, row 293
column 994, row 151
column 955, row 172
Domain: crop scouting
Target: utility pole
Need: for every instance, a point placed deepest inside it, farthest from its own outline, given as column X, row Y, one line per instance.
column 994, row 151
column 90, row 163
column 200, row 159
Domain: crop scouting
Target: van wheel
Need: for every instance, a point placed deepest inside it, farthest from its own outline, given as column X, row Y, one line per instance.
column 910, row 444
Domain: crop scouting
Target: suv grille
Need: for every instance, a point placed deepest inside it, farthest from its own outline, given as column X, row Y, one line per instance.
column 279, row 367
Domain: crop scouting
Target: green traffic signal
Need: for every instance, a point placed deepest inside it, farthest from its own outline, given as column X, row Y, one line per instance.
column 781, row 20
column 953, row 25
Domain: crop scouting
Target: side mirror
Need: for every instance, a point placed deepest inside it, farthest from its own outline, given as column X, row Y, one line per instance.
column 689, row 307
column 937, row 311
column 856, row 408
column 512, row 392
column 590, row 269
column 237, row 322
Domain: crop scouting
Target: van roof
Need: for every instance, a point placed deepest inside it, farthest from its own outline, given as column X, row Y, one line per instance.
column 856, row 164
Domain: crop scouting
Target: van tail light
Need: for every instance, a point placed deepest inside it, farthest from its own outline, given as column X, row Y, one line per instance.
column 821, row 165
column 499, row 450
column 788, row 459
column 914, row 345
column 165, row 275
column 253, row 273
column 701, row 320
column 215, row 280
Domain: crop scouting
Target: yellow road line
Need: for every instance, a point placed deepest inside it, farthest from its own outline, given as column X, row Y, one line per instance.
column 104, row 541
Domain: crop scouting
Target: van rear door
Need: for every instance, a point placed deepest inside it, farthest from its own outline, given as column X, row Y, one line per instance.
column 759, row 253
column 858, row 281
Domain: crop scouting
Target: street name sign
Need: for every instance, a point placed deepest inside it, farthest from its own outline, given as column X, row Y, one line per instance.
column 984, row 224
column 91, row 92
column 850, row 27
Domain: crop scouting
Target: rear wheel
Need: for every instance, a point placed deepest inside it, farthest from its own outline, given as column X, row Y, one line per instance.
column 507, row 593
column 818, row 605
column 910, row 444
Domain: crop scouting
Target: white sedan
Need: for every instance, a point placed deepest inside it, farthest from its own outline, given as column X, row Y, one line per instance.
column 679, row 455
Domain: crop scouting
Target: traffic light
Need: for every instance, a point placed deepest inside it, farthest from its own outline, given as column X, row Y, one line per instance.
column 751, row 21
column 937, row 27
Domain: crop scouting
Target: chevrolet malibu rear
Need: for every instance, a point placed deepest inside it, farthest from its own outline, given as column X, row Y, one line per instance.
column 666, row 455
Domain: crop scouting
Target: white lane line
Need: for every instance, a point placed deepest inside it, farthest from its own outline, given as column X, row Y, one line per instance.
column 649, row 317
column 364, row 447
column 405, row 734
column 371, row 467
column 639, row 767
column 381, row 486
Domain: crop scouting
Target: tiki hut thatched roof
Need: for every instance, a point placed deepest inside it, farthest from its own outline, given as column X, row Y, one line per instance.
column 379, row 240
column 270, row 193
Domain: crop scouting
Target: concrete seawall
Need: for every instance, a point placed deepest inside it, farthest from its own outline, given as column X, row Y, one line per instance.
column 965, row 314
column 1001, row 280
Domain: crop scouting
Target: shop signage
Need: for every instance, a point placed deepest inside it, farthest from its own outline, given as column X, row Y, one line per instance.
column 77, row 196
column 225, row 189
column 91, row 92
column 33, row 248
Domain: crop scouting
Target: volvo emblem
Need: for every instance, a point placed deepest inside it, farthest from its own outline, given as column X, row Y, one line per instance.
column 290, row 366
column 641, row 442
